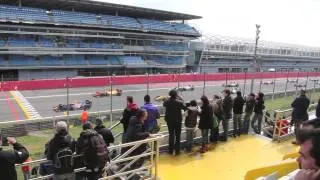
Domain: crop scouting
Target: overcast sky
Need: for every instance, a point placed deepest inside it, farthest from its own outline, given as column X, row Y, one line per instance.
column 287, row 21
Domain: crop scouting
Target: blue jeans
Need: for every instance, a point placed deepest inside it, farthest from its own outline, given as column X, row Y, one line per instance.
column 257, row 128
column 246, row 122
column 237, row 124
column 205, row 136
column 190, row 135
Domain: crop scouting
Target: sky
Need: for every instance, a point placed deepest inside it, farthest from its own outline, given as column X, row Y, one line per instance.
column 286, row 21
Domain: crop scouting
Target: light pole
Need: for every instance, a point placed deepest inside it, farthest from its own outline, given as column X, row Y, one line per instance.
column 255, row 64
column 111, row 84
column 147, row 74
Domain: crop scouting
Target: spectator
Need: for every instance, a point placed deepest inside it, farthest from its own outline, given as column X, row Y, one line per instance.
column 92, row 146
column 104, row 132
column 237, row 114
column 258, row 113
column 191, row 123
column 26, row 169
column 129, row 111
column 309, row 160
column 136, row 132
column 151, row 125
column 318, row 109
column 8, row 159
column 250, row 102
column 206, row 122
column 84, row 116
column 311, row 124
column 227, row 104
column 217, row 114
column 173, row 117
column 60, row 150
column 300, row 111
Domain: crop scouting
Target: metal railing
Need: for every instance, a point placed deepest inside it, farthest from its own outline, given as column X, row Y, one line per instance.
column 121, row 165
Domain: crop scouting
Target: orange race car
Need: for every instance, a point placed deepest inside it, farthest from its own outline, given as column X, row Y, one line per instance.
column 113, row 92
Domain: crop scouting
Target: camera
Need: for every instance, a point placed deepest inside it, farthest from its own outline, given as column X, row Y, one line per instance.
column 4, row 141
column 188, row 104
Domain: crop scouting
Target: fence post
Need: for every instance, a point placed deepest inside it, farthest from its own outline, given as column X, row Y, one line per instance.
column 245, row 83
column 147, row 74
column 286, row 87
column 68, row 107
column 204, row 83
column 111, row 84
column 274, row 84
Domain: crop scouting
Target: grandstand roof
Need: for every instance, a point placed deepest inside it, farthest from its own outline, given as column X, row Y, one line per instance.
column 106, row 8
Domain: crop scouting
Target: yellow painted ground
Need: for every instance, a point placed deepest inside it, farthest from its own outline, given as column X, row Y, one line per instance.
column 227, row 161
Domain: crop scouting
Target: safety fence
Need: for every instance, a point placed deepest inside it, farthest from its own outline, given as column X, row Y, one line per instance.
column 277, row 124
column 124, row 165
column 144, row 79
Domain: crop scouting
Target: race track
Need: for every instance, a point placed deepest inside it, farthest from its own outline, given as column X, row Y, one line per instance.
column 43, row 100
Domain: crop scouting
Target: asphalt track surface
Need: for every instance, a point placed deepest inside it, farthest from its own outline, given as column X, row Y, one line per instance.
column 44, row 100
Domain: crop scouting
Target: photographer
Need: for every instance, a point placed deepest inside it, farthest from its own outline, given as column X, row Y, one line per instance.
column 8, row 159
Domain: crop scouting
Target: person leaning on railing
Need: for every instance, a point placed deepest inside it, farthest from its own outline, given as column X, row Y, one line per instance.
column 8, row 159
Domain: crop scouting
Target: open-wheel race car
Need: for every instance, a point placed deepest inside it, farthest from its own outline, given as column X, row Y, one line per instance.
column 268, row 82
column 85, row 105
column 300, row 85
column 161, row 98
column 184, row 88
column 231, row 85
column 234, row 90
column 292, row 81
column 113, row 92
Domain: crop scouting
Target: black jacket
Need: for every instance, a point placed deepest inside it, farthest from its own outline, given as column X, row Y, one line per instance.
column 191, row 118
column 83, row 144
column 238, row 103
column 259, row 106
column 59, row 141
column 250, row 105
column 318, row 111
column 300, row 108
column 128, row 112
column 105, row 133
column 206, row 117
column 173, row 111
column 136, row 132
column 227, row 107
column 8, row 159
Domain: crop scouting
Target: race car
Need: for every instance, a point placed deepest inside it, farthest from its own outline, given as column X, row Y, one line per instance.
column 292, row 80
column 161, row 98
column 314, row 80
column 184, row 88
column 114, row 92
column 234, row 90
column 86, row 105
column 268, row 82
column 234, row 84
column 300, row 85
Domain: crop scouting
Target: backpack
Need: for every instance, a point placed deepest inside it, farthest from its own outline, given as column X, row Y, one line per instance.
column 97, row 151
column 63, row 162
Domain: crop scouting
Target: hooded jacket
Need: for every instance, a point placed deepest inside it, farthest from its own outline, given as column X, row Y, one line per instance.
column 8, row 159
column 206, row 117
column 173, row 113
column 238, row 103
column 227, row 107
column 153, row 115
column 217, row 108
column 259, row 106
column 105, row 133
column 83, row 144
column 128, row 112
column 192, row 117
column 249, row 105
column 136, row 132
column 300, row 108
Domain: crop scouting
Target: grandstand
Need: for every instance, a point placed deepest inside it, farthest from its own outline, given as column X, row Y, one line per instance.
column 73, row 38
column 225, row 54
